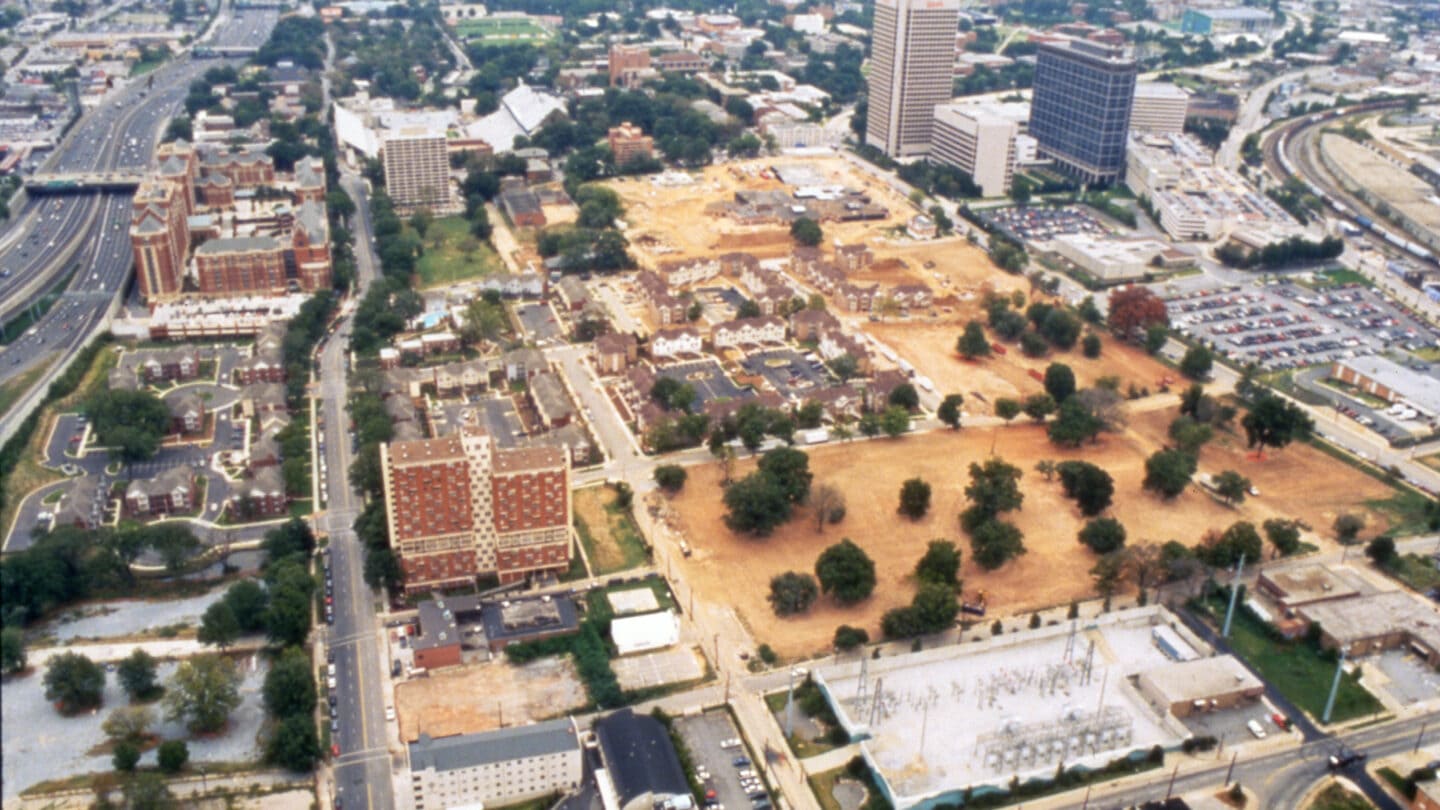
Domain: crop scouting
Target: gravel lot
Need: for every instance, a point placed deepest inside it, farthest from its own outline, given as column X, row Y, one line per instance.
column 40, row 744
column 127, row 617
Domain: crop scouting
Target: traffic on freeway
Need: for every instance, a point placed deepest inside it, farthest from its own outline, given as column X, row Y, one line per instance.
column 88, row 235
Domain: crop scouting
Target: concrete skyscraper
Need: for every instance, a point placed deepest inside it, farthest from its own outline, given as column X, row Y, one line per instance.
column 1080, row 109
column 912, row 69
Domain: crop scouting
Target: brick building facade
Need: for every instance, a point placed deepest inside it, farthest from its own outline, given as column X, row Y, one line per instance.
column 458, row 508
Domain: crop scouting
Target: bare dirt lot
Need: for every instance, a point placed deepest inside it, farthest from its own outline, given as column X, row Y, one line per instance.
column 480, row 697
column 1298, row 482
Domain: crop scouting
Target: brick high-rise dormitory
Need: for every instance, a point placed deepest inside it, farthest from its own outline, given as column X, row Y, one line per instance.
column 459, row 507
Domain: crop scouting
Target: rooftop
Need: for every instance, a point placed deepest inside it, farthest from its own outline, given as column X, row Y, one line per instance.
column 527, row 459
column 640, row 757
column 521, row 618
column 446, row 448
column 1304, row 584
column 1203, row 678
column 502, row 745
column 1367, row 617
column 1422, row 389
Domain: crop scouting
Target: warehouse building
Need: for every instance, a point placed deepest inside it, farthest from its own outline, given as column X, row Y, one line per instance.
column 1383, row 621
column 1202, row 685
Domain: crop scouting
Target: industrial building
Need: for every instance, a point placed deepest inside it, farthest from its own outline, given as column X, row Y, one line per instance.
column 1184, row 688
column 1227, row 21
column 1302, row 585
column 1391, row 382
column 1193, row 197
column 1383, row 621
column 500, row 767
column 641, row 769
column 912, row 69
column 459, row 507
column 1110, row 259
column 1080, row 107
column 649, row 631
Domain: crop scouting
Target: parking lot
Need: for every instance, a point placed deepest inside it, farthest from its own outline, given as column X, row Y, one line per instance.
column 1229, row 725
column 675, row 665
column 1040, row 224
column 539, row 323
column 789, row 372
column 720, row 760
column 1284, row 325
column 709, row 380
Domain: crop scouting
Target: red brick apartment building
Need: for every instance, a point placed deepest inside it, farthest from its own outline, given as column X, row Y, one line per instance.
column 459, row 508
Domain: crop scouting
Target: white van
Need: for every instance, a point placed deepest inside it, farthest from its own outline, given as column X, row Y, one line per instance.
column 1256, row 729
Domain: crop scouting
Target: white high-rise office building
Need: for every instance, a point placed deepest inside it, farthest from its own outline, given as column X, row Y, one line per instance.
column 417, row 170
column 912, row 69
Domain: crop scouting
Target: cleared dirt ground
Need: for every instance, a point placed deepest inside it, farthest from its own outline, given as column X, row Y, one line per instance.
column 1055, row 569
column 480, row 697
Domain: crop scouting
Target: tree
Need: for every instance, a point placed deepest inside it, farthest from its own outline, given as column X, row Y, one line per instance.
column 1090, row 345
column 1231, row 486
column 203, row 692
column 289, row 685
column 74, row 683
column 1039, row 406
column 130, row 423
column 1347, row 528
column 757, row 504
column 1190, row 435
column 1090, row 486
column 1104, row 404
column 1007, row 408
column 1134, row 310
column 247, row 601
column 1275, row 422
column 295, row 744
column 218, row 625
column 1284, row 536
column 940, row 565
column 147, row 791
column 12, row 650
column 129, row 723
column 1167, row 472
column 1197, row 362
column 972, row 343
column 1155, row 338
column 1032, row 345
column 136, row 674
column 845, row 572
column 792, row 592
column 1224, row 550
column 1381, row 550
column 895, row 421
column 949, row 411
column 914, row 498
column 173, row 755
column 126, row 756
column 904, row 396
column 670, row 477
column 1047, row 468
column 790, row 469
column 848, row 638
column 994, row 489
column 1075, row 424
column 1109, row 573
column 994, row 543
column 829, row 505
column 806, row 231
column 1103, row 535
column 1060, row 328
column 1145, row 563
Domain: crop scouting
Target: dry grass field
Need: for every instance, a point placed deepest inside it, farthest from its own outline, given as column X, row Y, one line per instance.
column 480, row 697
column 1298, row 482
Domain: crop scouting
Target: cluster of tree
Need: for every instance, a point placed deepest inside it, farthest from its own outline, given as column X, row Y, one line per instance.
column 1296, row 198
column 1007, row 254
column 1138, row 315
column 1273, row 421
column 670, row 477
column 497, row 68
column 762, row 500
column 585, row 249
column 939, row 179
column 387, row 54
column 1299, row 39
column 301, row 334
column 994, row 489
column 1292, row 251
column 388, row 304
column 1019, row 76
column 1038, row 328
column 280, row 608
column 300, row 40
column 1088, row 485
column 130, row 423
column 290, row 698
column 1199, row 415
column 382, row 566
column 70, row 564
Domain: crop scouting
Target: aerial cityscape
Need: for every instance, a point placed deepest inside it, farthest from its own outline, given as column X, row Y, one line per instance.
column 672, row 405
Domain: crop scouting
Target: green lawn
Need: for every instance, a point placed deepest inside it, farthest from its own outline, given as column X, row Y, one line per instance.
column 1340, row 277
column 1417, row 572
column 502, row 30
column 1295, row 668
column 15, row 388
column 802, row 746
column 445, row 261
column 1406, row 511
column 141, row 68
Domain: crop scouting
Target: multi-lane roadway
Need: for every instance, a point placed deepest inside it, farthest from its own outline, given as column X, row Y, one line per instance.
column 86, row 236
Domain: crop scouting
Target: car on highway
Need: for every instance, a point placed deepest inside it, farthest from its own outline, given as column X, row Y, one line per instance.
column 1343, row 758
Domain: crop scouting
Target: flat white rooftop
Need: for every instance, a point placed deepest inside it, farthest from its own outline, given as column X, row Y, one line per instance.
column 978, row 713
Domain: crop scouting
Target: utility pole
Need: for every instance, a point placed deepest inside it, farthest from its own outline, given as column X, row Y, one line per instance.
column 790, row 705
column 1334, row 689
column 1234, row 596
column 1419, row 737
column 1231, row 770
column 1170, row 788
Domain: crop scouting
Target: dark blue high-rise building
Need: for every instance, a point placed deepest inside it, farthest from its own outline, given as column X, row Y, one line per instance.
column 1080, row 109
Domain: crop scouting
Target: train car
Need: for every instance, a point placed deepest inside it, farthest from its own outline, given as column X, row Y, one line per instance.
column 1365, row 222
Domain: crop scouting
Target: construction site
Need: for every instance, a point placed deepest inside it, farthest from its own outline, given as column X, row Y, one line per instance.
column 937, row 722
